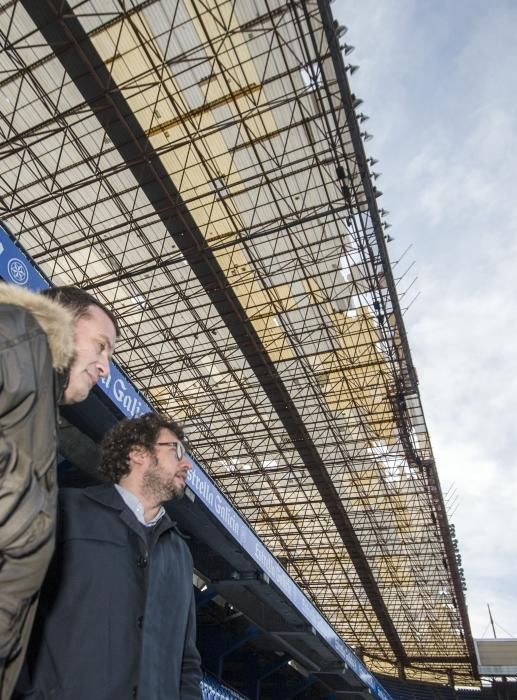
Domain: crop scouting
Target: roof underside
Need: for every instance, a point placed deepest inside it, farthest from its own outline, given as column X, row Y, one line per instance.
column 199, row 166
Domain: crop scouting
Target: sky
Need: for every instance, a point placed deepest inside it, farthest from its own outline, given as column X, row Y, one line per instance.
column 439, row 83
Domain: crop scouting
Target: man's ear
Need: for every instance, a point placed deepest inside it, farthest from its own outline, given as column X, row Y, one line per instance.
column 138, row 455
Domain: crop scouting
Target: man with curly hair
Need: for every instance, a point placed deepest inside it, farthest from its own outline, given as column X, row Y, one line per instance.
column 117, row 611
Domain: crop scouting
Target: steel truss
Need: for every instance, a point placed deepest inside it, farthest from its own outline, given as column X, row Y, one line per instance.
column 199, row 165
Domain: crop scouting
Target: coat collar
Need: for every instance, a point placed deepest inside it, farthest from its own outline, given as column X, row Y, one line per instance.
column 105, row 494
column 108, row 496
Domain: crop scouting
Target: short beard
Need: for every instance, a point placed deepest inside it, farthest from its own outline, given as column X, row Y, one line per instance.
column 158, row 488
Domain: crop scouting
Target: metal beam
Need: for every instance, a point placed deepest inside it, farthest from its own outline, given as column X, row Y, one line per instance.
column 73, row 47
column 268, row 671
column 204, row 597
column 307, row 683
column 237, row 643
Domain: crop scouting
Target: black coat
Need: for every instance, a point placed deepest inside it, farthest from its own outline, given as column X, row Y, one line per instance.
column 117, row 613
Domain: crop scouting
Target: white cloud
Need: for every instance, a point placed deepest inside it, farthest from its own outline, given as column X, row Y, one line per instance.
column 439, row 83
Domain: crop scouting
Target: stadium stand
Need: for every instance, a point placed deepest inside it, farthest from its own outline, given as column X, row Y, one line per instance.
column 214, row 690
column 411, row 690
column 201, row 167
column 408, row 690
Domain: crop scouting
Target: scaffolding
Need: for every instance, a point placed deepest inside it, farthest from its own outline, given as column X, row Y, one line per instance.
column 200, row 167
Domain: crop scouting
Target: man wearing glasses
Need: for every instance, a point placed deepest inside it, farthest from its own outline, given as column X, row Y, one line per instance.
column 117, row 613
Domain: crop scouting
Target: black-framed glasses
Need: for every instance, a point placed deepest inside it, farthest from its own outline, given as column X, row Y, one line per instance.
column 180, row 448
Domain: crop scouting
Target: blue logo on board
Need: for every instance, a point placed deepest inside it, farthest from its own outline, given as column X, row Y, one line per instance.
column 17, row 271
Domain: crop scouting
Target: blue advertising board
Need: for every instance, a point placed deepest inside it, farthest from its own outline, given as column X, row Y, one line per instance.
column 17, row 268
column 206, row 490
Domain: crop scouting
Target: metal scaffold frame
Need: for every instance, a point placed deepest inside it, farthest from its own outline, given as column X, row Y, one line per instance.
column 200, row 167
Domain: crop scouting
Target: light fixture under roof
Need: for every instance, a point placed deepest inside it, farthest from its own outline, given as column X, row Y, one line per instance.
column 341, row 30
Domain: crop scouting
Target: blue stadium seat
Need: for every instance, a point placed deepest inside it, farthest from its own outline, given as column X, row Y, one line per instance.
column 212, row 689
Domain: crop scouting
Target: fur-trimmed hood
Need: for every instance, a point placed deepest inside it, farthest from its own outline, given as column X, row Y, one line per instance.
column 56, row 321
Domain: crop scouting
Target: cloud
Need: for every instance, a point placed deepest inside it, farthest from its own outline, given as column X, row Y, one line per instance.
column 440, row 91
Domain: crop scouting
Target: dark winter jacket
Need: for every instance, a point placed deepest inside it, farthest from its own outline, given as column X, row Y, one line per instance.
column 36, row 337
column 117, row 615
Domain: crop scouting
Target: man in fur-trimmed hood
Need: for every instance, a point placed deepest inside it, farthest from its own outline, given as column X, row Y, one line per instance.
column 54, row 347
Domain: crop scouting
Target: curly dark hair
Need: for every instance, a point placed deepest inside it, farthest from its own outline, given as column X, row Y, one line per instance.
column 128, row 434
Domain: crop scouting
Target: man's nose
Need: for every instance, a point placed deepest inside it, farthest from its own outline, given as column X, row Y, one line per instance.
column 103, row 367
column 186, row 462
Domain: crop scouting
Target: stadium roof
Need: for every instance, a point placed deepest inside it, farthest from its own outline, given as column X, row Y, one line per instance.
column 200, row 166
